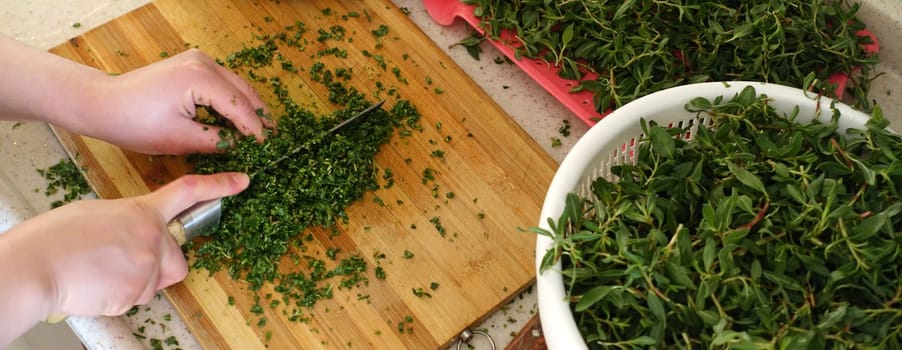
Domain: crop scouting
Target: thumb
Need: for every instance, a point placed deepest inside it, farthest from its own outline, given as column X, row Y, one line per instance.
column 175, row 197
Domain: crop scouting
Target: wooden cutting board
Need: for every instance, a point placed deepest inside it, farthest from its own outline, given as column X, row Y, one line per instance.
column 491, row 165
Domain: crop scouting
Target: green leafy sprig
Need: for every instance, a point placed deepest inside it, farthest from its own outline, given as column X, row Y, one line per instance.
column 758, row 232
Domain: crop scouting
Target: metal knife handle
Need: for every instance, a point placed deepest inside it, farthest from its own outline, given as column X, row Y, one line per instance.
column 196, row 220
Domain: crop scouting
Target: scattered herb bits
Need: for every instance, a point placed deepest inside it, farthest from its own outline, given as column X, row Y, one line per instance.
column 758, row 232
column 65, row 176
column 564, row 130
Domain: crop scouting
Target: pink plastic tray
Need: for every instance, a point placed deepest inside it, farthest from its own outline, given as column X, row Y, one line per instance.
column 444, row 12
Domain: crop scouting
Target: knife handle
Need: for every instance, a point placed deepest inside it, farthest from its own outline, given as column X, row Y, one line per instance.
column 177, row 230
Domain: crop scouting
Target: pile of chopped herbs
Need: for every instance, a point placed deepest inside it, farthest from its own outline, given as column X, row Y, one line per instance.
column 273, row 217
column 65, row 176
column 757, row 233
column 639, row 47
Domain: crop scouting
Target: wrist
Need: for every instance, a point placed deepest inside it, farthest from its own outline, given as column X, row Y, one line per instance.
column 37, row 85
column 83, row 112
column 26, row 295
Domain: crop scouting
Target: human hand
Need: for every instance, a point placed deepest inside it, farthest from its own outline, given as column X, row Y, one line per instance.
column 151, row 109
column 101, row 257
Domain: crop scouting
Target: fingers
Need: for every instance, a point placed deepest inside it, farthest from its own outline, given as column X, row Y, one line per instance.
column 172, row 199
column 174, row 267
column 229, row 95
column 192, row 137
column 248, row 92
column 175, row 197
column 171, row 269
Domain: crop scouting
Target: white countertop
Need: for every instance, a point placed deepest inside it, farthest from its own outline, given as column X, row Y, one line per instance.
column 45, row 24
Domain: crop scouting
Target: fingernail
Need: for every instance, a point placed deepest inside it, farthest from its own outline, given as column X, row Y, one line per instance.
column 241, row 179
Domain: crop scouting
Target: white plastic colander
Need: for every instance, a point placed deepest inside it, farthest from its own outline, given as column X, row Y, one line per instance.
column 614, row 140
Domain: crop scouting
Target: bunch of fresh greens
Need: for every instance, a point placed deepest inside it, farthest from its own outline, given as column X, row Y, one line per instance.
column 638, row 47
column 756, row 233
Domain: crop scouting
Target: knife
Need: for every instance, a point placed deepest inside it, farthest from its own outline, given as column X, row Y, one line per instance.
column 204, row 216
column 320, row 138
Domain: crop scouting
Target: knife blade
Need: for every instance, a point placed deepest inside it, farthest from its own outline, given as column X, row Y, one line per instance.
column 309, row 144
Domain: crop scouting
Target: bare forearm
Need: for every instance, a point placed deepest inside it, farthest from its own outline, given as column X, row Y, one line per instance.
column 40, row 86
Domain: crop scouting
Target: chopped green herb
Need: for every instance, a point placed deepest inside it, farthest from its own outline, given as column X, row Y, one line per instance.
column 380, row 61
column 65, row 176
column 131, row 312
column 381, row 31
column 389, row 178
column 420, row 293
column 331, row 253
column 564, row 130
column 436, row 221
column 397, row 73
column 407, row 254
column 428, row 175
column 439, row 154
column 156, row 344
column 171, row 341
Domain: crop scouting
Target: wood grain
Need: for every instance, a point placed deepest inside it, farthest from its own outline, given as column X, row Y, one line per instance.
column 491, row 165
column 530, row 337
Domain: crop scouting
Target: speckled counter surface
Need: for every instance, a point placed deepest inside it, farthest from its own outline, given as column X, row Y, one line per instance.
column 28, row 146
